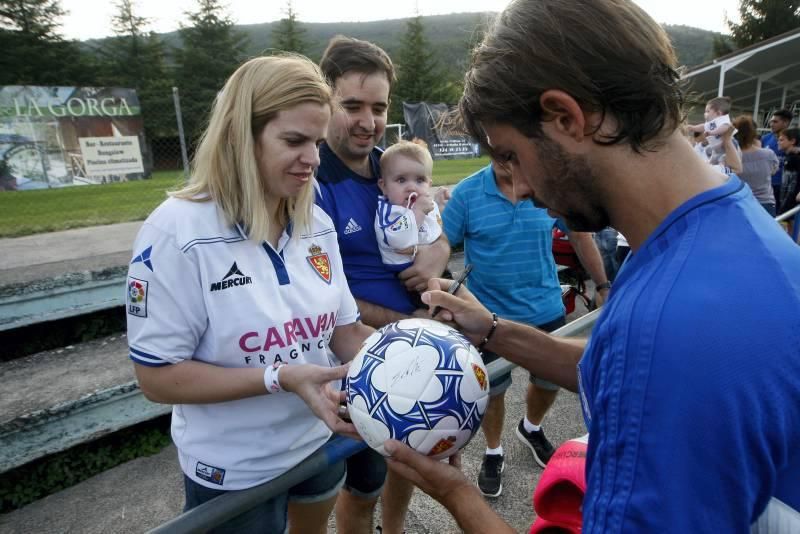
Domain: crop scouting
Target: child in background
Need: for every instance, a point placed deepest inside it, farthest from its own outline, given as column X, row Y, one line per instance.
column 718, row 121
column 406, row 216
column 789, row 143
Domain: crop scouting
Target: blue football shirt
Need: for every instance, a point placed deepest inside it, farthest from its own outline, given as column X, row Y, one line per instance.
column 351, row 200
column 690, row 383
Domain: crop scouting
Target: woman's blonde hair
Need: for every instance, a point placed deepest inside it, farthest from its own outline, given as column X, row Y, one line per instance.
column 224, row 168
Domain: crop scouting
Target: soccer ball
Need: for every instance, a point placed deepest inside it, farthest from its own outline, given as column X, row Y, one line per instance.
column 420, row 382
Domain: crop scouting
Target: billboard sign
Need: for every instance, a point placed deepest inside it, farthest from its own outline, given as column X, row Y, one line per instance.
column 425, row 121
column 62, row 136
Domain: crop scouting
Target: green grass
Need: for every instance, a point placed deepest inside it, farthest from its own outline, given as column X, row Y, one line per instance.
column 50, row 210
column 451, row 171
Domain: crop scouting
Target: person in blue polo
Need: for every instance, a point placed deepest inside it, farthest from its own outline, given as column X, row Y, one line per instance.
column 484, row 214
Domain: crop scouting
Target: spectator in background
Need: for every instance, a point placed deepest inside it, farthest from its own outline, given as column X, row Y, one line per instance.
column 790, row 188
column 731, row 161
column 606, row 241
column 718, row 122
column 485, row 215
column 758, row 164
column 780, row 121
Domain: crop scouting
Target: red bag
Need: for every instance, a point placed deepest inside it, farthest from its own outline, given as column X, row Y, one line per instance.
column 563, row 253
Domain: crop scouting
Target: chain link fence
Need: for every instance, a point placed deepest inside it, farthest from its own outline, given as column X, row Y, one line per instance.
column 92, row 159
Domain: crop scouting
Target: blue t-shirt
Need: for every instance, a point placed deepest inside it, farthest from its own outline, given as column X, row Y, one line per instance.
column 770, row 141
column 523, row 286
column 690, row 384
column 351, row 200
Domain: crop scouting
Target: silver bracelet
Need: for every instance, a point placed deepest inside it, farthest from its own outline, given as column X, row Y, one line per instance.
column 271, row 380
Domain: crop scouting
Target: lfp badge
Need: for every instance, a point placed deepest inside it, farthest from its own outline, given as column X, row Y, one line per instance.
column 137, row 297
column 320, row 262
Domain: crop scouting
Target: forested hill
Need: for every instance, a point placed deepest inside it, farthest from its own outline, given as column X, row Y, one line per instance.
column 450, row 35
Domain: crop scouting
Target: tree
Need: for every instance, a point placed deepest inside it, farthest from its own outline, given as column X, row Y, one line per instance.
column 212, row 49
column 135, row 58
column 762, row 19
column 289, row 35
column 418, row 75
column 33, row 51
column 722, row 45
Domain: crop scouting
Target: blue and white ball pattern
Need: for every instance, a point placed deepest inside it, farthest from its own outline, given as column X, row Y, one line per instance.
column 420, row 382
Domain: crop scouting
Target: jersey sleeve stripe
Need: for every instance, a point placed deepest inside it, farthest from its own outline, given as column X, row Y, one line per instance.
column 146, row 359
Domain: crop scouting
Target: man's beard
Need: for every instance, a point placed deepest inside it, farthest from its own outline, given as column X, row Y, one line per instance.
column 572, row 186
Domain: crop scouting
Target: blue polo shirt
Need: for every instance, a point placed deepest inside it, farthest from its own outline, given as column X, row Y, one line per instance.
column 690, row 384
column 510, row 247
column 770, row 141
column 351, row 200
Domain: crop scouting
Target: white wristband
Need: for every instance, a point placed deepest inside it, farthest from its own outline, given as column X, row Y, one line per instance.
column 271, row 378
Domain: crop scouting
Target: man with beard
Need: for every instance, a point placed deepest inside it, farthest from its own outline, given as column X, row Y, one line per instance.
column 690, row 382
column 361, row 74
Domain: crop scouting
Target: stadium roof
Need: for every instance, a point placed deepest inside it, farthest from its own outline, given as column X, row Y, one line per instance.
column 764, row 76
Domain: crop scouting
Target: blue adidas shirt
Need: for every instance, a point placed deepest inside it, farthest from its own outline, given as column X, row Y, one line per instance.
column 690, row 384
column 351, row 200
column 523, row 286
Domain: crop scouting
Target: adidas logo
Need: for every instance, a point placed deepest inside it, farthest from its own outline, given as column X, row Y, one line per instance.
column 235, row 277
column 352, row 227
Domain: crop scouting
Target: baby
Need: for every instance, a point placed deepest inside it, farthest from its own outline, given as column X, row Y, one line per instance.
column 406, row 216
column 718, row 121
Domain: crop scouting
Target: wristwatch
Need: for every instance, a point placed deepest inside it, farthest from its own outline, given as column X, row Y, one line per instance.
column 604, row 285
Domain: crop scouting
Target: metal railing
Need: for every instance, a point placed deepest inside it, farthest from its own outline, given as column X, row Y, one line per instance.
column 792, row 213
column 229, row 505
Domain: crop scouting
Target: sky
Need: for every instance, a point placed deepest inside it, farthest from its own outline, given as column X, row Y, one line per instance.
column 91, row 18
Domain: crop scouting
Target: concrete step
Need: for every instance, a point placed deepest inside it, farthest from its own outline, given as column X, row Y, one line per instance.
column 56, row 399
column 63, row 274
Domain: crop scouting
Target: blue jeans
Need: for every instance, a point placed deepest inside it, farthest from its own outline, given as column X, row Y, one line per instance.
column 269, row 516
column 606, row 240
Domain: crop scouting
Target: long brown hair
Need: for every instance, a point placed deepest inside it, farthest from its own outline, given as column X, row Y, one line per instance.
column 746, row 131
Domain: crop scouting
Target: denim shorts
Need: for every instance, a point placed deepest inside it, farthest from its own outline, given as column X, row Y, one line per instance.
column 499, row 385
column 366, row 473
column 270, row 516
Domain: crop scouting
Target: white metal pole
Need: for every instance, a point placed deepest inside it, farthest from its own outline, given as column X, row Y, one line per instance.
column 756, row 111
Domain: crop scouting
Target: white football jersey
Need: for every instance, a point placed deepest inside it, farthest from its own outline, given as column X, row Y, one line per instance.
column 396, row 229
column 198, row 289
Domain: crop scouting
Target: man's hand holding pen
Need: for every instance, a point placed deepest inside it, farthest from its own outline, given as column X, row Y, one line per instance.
column 459, row 307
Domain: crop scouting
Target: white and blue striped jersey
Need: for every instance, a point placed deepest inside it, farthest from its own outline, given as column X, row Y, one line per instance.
column 199, row 289
column 396, row 230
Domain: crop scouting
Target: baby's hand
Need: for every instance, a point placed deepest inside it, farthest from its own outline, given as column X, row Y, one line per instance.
column 423, row 205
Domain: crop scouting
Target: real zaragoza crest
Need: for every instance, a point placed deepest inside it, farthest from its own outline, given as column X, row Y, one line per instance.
column 320, row 262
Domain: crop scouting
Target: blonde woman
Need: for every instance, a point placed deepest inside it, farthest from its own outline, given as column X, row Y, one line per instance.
column 235, row 294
